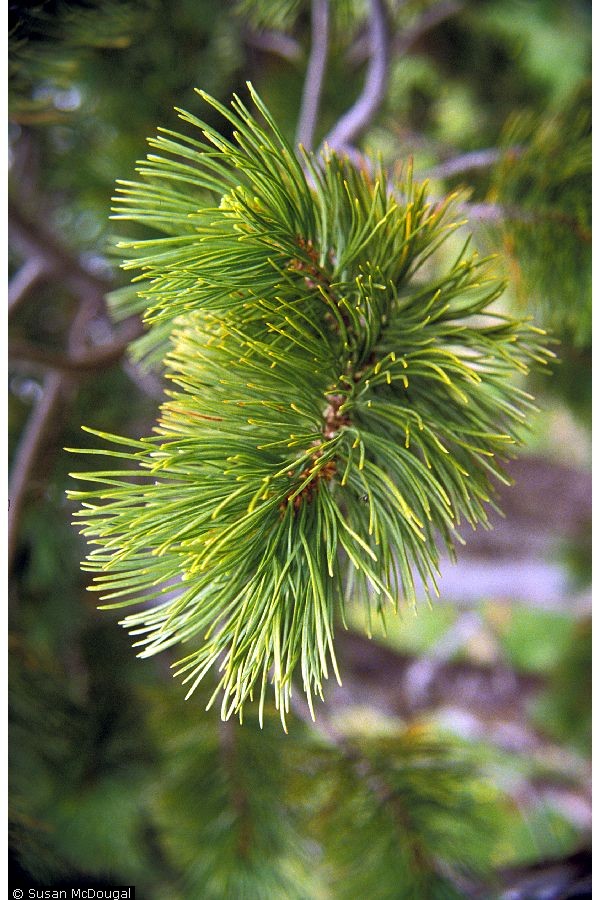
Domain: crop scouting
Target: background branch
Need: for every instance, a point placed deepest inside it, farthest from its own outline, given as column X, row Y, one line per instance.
column 47, row 258
column 466, row 162
column 497, row 212
column 31, row 273
column 30, row 446
column 275, row 42
column 315, row 74
column 359, row 116
column 99, row 358
column 35, row 241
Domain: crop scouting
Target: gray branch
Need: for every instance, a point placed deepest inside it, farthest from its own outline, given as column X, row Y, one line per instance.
column 45, row 256
column 360, row 115
column 315, row 74
column 30, row 446
column 35, row 240
column 275, row 42
column 466, row 162
column 81, row 363
column 495, row 213
column 31, row 273
column 485, row 212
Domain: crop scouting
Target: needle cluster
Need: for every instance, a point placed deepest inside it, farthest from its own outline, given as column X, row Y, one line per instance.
column 339, row 404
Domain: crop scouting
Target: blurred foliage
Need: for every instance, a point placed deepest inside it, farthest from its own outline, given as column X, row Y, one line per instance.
column 412, row 631
column 237, row 811
column 564, row 711
column 111, row 774
column 533, row 639
column 231, row 813
column 76, row 761
column 551, row 39
column 94, row 80
column 277, row 14
column 577, row 556
column 416, row 813
column 544, row 182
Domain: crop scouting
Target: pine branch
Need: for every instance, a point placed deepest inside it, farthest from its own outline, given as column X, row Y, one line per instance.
column 334, row 410
column 408, row 808
column 284, row 815
column 228, row 811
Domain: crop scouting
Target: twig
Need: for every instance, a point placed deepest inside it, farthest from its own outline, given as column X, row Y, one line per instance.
column 477, row 159
column 275, row 42
column 498, row 212
column 315, row 74
column 100, row 358
column 27, row 454
column 358, row 117
column 36, row 241
column 43, row 253
column 55, row 386
column 29, row 275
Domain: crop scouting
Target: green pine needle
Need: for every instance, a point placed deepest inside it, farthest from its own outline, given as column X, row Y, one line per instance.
column 338, row 404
